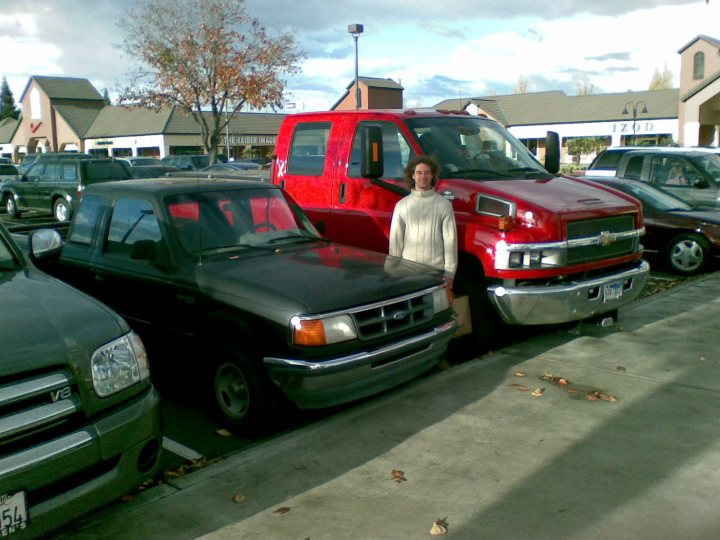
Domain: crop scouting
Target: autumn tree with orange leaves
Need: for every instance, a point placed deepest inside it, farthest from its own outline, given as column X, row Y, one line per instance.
column 207, row 57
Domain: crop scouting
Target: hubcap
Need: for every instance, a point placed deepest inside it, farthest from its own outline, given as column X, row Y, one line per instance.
column 61, row 212
column 687, row 255
column 231, row 390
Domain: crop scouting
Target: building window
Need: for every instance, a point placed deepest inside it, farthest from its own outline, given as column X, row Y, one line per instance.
column 699, row 66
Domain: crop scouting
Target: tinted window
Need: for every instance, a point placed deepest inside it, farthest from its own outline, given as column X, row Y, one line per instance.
column 607, row 160
column 132, row 220
column 308, row 149
column 106, row 170
column 69, row 171
column 85, row 219
column 634, row 167
column 7, row 169
column 396, row 151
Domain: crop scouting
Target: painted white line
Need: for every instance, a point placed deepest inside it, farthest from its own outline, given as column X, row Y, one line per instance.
column 179, row 449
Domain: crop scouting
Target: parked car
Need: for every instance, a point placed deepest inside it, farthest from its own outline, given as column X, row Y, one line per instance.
column 152, row 171
column 8, row 171
column 190, row 162
column 232, row 166
column 686, row 238
column 79, row 418
column 55, row 183
column 141, row 161
column 692, row 174
column 5, row 160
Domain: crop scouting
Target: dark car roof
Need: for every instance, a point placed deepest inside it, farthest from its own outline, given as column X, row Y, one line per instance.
column 173, row 185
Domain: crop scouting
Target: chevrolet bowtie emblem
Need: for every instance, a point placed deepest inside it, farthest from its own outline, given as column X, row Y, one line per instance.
column 606, row 238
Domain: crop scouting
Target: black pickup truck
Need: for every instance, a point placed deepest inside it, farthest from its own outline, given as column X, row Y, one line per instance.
column 79, row 418
column 232, row 277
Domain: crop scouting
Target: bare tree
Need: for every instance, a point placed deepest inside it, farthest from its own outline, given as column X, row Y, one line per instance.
column 522, row 85
column 661, row 81
column 583, row 87
column 207, row 57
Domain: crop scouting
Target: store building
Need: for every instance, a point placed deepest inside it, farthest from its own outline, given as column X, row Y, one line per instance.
column 62, row 113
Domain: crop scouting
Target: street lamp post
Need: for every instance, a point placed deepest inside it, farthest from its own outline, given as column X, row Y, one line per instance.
column 635, row 107
column 356, row 30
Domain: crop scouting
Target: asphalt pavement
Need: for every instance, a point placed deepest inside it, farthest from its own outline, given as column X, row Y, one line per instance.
column 583, row 433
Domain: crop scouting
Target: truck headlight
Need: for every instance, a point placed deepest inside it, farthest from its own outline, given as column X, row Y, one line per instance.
column 119, row 364
column 316, row 332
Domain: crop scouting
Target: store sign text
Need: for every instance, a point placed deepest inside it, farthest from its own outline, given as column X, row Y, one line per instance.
column 640, row 127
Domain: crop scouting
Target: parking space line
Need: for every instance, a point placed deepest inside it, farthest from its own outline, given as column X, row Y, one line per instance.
column 179, row 449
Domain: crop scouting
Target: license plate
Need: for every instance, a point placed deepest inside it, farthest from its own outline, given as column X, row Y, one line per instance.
column 13, row 513
column 612, row 291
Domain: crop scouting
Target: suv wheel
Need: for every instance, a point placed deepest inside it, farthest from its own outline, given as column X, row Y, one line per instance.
column 10, row 207
column 61, row 210
column 688, row 254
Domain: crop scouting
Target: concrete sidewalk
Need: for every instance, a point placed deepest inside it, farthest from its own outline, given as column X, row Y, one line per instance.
column 478, row 449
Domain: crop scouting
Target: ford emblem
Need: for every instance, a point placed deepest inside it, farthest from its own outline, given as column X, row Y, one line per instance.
column 399, row 315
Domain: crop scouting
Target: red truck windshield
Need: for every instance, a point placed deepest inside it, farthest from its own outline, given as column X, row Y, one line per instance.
column 475, row 148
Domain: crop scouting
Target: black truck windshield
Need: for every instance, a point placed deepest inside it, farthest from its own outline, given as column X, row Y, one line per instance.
column 241, row 218
column 476, row 148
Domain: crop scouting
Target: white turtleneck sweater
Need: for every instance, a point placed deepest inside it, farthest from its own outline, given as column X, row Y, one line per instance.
column 423, row 230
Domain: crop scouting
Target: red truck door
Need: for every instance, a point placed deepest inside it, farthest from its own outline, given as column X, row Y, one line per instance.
column 307, row 170
column 362, row 208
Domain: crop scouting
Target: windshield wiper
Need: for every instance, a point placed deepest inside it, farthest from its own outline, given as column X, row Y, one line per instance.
column 299, row 238
column 529, row 171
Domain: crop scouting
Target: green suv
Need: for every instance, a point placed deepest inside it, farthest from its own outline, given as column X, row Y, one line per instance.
column 55, row 182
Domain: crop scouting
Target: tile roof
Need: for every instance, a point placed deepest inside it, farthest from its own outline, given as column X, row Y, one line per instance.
column 78, row 117
column 125, row 121
column 8, row 126
column 64, row 88
column 249, row 123
column 710, row 40
column 555, row 107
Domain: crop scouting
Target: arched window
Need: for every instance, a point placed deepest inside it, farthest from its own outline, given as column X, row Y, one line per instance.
column 699, row 65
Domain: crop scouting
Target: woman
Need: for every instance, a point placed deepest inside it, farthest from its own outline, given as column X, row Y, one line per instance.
column 423, row 223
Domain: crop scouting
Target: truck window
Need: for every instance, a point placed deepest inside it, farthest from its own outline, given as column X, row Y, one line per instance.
column 396, row 150
column 132, row 220
column 308, row 149
column 85, row 219
column 633, row 169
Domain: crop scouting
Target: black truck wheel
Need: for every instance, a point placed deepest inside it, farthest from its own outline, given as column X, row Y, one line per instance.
column 240, row 395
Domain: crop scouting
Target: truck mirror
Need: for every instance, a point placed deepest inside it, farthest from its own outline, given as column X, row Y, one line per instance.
column 44, row 244
column 371, row 161
column 552, row 152
column 149, row 250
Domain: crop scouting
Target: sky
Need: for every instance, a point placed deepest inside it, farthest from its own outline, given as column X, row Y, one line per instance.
column 436, row 49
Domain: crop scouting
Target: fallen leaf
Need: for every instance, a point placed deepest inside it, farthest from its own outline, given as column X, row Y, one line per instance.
column 562, row 381
column 281, row 510
column 538, row 392
column 223, row 432
column 702, row 358
column 520, row 373
column 238, row 498
column 398, row 476
column 439, row 527
column 620, row 368
column 520, row 387
column 547, row 377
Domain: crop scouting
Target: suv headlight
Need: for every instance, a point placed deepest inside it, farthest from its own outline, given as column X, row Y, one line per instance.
column 119, row 364
column 316, row 332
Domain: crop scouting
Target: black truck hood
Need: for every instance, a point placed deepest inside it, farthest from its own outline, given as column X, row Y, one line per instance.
column 313, row 279
column 45, row 322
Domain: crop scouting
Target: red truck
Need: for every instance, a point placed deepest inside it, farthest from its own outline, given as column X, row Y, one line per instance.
column 535, row 248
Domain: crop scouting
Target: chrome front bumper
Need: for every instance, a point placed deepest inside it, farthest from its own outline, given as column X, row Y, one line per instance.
column 572, row 301
column 340, row 380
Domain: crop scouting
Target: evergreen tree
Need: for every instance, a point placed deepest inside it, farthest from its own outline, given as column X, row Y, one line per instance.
column 106, row 96
column 7, row 102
